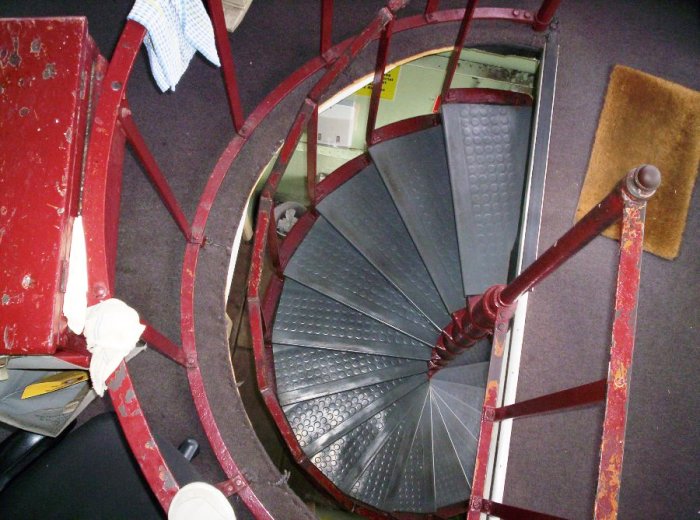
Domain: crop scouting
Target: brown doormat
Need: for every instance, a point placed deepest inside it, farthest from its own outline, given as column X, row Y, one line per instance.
column 647, row 120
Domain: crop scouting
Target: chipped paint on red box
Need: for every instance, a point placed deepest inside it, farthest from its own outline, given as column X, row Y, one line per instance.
column 45, row 78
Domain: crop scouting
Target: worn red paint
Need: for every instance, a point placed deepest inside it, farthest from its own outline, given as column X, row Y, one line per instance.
column 103, row 172
column 312, row 157
column 326, row 26
column 45, row 91
column 140, row 438
column 576, row 396
column 508, row 511
column 486, row 427
column 619, row 370
column 161, row 344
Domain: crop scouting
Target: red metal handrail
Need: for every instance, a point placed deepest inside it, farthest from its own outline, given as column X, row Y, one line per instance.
column 478, row 322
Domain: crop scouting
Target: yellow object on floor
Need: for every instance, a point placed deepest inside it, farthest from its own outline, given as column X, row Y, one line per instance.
column 55, row 382
column 647, row 120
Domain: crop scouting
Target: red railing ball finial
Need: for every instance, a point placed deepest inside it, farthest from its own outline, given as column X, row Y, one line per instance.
column 642, row 182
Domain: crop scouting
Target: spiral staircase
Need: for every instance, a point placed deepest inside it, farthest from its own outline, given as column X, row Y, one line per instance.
column 368, row 321
column 395, row 246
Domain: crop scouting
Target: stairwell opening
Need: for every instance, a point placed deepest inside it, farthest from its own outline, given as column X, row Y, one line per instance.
column 411, row 89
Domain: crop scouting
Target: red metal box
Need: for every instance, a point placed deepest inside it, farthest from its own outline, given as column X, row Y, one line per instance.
column 46, row 68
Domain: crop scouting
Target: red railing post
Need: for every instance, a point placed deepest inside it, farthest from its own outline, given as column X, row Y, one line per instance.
column 312, row 157
column 637, row 186
column 326, row 26
column 545, row 14
column 223, row 46
column 619, row 368
column 459, row 44
column 430, row 7
column 377, row 83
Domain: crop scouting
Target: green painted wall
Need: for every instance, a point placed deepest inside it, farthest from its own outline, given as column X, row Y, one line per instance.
column 418, row 86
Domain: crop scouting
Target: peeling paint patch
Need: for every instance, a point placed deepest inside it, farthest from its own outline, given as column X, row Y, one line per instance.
column 117, row 379
column 49, row 71
column 27, row 281
column 167, row 478
column 35, row 47
column 23, row 112
column 122, row 410
column 13, row 59
column 129, row 396
column 9, row 335
column 68, row 134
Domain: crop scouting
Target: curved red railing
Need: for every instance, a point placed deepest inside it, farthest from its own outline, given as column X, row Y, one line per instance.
column 112, row 127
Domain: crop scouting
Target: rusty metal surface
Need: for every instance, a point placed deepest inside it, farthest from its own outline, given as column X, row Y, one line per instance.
column 620, row 367
column 45, row 85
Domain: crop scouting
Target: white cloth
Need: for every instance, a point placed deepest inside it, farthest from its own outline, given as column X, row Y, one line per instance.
column 75, row 299
column 200, row 500
column 176, row 29
column 112, row 329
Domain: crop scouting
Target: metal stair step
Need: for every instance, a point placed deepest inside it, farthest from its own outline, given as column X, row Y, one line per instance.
column 328, row 263
column 451, row 485
column 362, row 210
column 382, row 473
column 415, row 488
column 487, row 150
column 347, row 458
column 414, row 170
column 462, row 438
column 465, row 402
column 476, row 354
column 307, row 318
column 351, row 382
column 320, row 422
column 474, row 375
column 308, row 367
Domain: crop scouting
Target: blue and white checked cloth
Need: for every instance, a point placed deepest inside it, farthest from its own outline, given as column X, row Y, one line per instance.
column 176, row 29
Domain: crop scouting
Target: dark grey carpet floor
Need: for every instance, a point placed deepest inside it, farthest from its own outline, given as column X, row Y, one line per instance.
column 553, row 460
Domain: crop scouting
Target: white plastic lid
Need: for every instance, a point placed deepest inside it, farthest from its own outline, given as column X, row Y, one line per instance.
column 201, row 501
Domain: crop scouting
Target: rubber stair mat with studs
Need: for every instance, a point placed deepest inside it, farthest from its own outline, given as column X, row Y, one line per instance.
column 487, row 152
